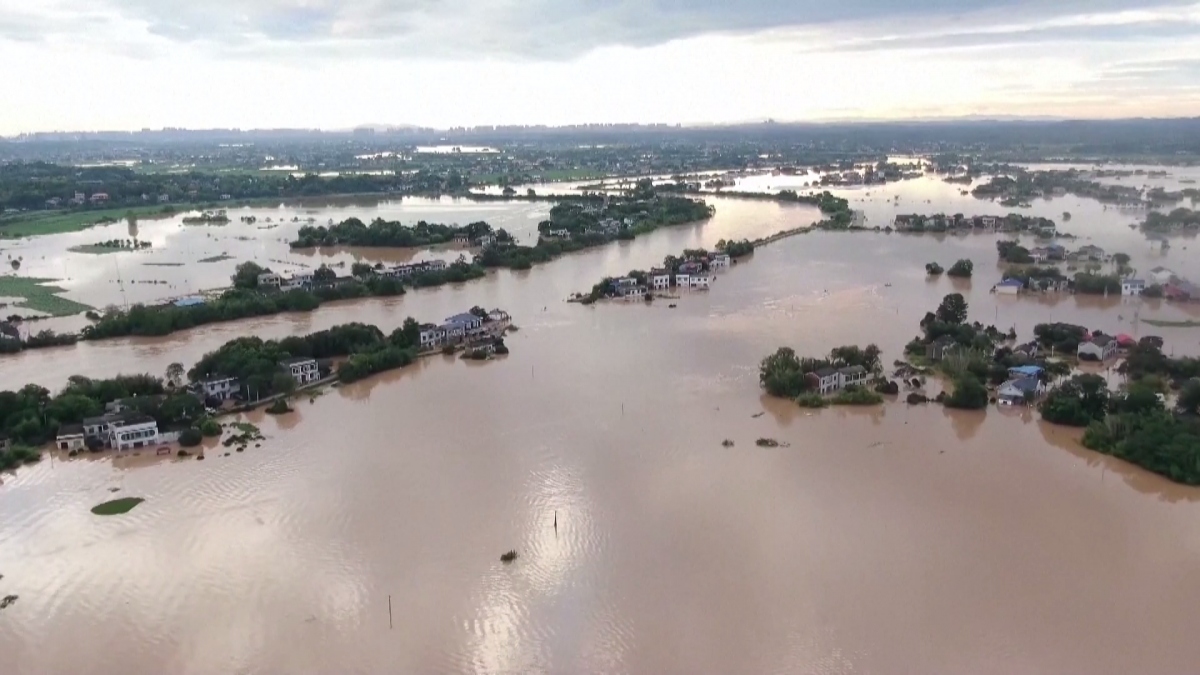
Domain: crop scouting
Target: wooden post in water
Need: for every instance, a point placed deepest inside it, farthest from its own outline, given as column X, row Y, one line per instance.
column 389, row 611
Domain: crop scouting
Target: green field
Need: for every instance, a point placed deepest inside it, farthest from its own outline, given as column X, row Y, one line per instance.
column 117, row 506
column 36, row 295
column 57, row 222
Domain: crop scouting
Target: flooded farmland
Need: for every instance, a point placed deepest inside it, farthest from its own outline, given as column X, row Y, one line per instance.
column 910, row 539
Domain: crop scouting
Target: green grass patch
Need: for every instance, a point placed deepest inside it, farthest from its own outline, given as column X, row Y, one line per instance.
column 57, row 222
column 246, row 428
column 36, row 295
column 216, row 258
column 811, row 399
column 857, row 396
column 1172, row 324
column 117, row 507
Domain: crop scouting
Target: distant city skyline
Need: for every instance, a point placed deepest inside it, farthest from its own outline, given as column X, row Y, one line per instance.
column 88, row 65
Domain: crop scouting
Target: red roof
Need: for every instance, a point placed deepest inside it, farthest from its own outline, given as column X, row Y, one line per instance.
column 1123, row 339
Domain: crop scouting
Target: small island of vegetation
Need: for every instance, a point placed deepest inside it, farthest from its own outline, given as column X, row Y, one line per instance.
column 117, row 507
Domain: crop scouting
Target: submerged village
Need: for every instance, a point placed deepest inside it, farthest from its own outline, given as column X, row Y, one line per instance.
column 470, row 387
column 965, row 365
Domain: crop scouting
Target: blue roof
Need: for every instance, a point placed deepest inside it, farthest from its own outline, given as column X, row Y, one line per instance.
column 1023, row 384
column 189, row 302
column 1030, row 371
column 465, row 317
column 1011, row 282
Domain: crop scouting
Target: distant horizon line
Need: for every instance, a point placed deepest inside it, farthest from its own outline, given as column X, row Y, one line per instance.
column 414, row 128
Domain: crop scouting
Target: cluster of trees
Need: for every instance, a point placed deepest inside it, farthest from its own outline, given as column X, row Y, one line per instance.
column 30, row 185
column 786, row 375
column 353, row 232
column 836, row 208
column 1147, row 360
column 1089, row 283
column 241, row 302
column 1063, row 338
column 950, row 318
column 1013, row 252
column 1135, row 425
column 236, row 303
column 31, row 416
column 1077, row 402
column 736, row 249
column 255, row 362
column 1178, row 219
column 44, row 338
column 933, row 269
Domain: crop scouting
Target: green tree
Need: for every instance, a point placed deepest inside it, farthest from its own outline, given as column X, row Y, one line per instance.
column 1077, row 402
column 283, row 383
column 246, row 275
column 1121, row 259
column 933, row 269
column 781, row 374
column 962, row 269
column 953, row 309
column 175, row 374
column 362, row 269
column 324, row 275
column 190, row 437
column 210, row 428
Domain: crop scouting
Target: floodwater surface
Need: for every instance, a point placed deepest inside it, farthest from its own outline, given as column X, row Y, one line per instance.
column 365, row 534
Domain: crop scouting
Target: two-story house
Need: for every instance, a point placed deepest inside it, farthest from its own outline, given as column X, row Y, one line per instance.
column 303, row 369
column 1097, row 348
column 828, row 380
column 852, row 376
column 220, row 388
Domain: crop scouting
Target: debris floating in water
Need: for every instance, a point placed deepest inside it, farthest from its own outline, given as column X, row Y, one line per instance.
column 508, row 557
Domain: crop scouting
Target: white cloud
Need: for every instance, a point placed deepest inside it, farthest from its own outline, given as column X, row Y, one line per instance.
column 125, row 64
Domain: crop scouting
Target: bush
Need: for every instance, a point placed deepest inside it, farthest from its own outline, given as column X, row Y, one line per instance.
column 969, row 394
column 190, row 437
column 448, row 350
column 916, row 399
column 811, row 399
column 857, row 396
column 279, row 407
column 888, row 387
column 210, row 428
column 933, row 269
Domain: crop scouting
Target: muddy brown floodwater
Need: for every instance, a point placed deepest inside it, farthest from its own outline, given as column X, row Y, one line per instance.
column 896, row 539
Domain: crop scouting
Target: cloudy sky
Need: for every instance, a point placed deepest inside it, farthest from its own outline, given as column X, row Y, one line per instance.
column 128, row 64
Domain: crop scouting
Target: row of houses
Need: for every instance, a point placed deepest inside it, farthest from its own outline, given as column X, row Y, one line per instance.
column 464, row 328
column 1012, row 223
column 410, row 269
column 696, row 274
column 125, row 430
column 303, row 369
column 99, row 198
